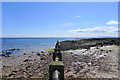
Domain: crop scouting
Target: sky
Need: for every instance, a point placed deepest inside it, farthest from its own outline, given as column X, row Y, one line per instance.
column 60, row 0
column 60, row 19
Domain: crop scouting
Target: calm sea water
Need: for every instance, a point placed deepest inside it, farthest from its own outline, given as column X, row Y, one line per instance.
column 31, row 44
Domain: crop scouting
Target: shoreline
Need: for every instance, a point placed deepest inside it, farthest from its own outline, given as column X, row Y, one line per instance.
column 95, row 62
column 22, row 65
column 14, row 51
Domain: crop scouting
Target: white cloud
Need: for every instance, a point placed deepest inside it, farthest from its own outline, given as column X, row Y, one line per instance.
column 77, row 16
column 109, row 30
column 96, row 32
column 112, row 22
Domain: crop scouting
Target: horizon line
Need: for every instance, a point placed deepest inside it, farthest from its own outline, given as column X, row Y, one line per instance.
column 66, row 37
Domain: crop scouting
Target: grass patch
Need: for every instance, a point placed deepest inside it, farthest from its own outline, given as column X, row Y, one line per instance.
column 49, row 49
column 114, row 46
column 68, row 50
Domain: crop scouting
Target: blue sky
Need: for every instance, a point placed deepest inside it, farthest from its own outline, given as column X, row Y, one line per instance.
column 60, row 0
column 59, row 19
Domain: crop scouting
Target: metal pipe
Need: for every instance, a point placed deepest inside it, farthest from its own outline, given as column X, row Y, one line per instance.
column 55, row 75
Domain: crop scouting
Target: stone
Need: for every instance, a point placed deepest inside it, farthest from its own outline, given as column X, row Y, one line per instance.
column 11, row 74
column 14, row 71
column 25, row 60
column 38, row 54
column 8, row 52
column 27, row 67
column 24, row 53
column 12, row 49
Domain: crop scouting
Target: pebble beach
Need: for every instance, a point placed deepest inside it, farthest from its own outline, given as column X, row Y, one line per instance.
column 96, row 62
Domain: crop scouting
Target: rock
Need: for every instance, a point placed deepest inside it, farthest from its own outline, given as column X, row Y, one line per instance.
column 34, row 59
column 89, row 64
column 11, row 74
column 26, row 60
column 14, row 71
column 79, row 63
column 8, row 52
column 87, row 43
column 18, row 49
column 102, row 50
column 42, row 58
column 72, row 53
column 69, row 74
column 106, row 51
column 110, row 50
column 12, row 49
column 68, row 70
column 45, row 73
column 42, row 51
column 50, row 53
column 27, row 67
column 29, row 56
column 2, row 54
column 24, row 54
column 77, row 70
column 33, row 52
column 38, row 54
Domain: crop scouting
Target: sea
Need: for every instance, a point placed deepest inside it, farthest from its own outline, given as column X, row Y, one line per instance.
column 29, row 44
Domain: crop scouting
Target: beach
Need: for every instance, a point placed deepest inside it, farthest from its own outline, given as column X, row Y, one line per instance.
column 95, row 62
column 59, row 40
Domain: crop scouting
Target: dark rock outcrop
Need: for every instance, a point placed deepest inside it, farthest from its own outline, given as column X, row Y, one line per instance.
column 87, row 43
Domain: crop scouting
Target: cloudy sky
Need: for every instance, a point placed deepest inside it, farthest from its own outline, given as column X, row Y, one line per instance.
column 60, row 19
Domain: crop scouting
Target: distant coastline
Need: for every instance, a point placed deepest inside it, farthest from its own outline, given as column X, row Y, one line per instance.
column 89, row 42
